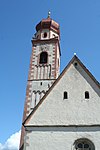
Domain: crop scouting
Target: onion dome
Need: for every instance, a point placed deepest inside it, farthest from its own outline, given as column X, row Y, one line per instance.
column 48, row 23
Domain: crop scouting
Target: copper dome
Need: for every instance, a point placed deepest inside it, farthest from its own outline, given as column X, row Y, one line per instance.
column 48, row 24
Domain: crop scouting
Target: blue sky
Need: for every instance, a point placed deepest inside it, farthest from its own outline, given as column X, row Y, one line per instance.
column 80, row 33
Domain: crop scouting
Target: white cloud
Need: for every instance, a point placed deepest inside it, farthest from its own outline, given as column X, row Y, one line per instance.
column 12, row 142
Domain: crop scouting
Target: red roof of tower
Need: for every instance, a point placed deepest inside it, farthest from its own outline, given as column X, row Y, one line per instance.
column 48, row 23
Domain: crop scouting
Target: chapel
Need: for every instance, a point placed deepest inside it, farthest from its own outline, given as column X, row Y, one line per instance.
column 62, row 111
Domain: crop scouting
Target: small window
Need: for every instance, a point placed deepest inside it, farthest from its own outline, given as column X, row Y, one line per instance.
column 86, row 95
column 43, row 57
column 75, row 64
column 45, row 34
column 65, row 95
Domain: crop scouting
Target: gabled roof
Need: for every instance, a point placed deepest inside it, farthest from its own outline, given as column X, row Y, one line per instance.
column 74, row 59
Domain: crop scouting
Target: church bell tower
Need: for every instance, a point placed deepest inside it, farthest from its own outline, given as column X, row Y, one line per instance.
column 45, row 59
column 44, row 65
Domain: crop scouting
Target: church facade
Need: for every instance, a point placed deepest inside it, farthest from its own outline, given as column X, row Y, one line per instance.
column 62, row 111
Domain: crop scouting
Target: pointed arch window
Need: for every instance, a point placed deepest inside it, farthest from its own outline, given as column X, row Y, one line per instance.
column 43, row 58
column 86, row 95
column 65, row 95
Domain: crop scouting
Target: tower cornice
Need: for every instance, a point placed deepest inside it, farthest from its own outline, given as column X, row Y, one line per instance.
column 35, row 40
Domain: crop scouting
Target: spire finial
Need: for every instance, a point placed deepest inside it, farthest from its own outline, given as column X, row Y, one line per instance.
column 74, row 54
column 49, row 13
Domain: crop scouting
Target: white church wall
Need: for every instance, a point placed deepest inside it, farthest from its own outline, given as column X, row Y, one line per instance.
column 60, row 138
column 55, row 110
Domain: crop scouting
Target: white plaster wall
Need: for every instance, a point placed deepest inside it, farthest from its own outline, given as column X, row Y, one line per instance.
column 50, row 34
column 53, row 34
column 38, row 88
column 76, row 110
column 36, row 85
column 60, row 138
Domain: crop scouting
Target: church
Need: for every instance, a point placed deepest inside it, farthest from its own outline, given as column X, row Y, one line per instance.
column 62, row 111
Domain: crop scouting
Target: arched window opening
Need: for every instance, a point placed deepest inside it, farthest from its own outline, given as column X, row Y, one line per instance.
column 43, row 57
column 86, row 95
column 41, row 83
column 65, row 95
column 75, row 64
column 83, row 144
column 45, row 34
